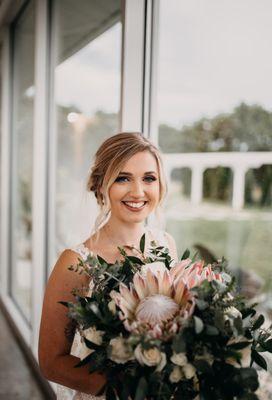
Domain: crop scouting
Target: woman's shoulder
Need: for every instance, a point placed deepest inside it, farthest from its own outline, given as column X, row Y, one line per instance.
column 81, row 250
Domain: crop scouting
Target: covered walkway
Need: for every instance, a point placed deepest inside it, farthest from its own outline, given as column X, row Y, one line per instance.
column 17, row 380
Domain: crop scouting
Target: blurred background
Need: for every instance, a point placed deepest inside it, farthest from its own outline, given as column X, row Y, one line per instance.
column 195, row 77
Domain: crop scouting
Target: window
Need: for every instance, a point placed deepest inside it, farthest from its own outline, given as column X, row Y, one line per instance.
column 21, row 169
column 86, row 56
column 214, row 117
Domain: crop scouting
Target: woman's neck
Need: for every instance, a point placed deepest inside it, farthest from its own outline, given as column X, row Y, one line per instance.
column 119, row 233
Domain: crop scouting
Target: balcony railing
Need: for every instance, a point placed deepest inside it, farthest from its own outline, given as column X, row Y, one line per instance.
column 239, row 163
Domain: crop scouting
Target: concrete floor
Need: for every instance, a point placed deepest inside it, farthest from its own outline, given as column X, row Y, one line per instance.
column 16, row 380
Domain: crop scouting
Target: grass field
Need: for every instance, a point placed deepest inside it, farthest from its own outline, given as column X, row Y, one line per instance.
column 246, row 242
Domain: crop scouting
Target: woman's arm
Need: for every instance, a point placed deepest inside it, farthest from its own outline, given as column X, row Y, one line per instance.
column 55, row 361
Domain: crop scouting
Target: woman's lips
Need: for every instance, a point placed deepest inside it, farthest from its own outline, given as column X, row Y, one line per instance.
column 134, row 209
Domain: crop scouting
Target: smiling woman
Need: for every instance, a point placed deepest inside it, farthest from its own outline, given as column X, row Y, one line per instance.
column 128, row 181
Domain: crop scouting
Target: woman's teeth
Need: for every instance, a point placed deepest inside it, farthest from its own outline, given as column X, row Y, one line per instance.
column 134, row 205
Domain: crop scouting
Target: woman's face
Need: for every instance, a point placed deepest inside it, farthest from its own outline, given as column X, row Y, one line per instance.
column 135, row 192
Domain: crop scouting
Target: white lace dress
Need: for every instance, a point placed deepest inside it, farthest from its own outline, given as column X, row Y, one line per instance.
column 63, row 392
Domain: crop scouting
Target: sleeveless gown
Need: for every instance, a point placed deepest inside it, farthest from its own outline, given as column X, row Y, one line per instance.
column 63, row 392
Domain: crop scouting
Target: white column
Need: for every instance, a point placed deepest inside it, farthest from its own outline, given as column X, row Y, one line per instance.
column 133, row 66
column 40, row 151
column 5, row 149
column 238, row 187
column 197, row 185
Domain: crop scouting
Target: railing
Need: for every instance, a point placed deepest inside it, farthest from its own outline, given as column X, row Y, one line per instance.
column 239, row 163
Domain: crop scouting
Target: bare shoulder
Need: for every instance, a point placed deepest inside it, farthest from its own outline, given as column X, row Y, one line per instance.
column 62, row 277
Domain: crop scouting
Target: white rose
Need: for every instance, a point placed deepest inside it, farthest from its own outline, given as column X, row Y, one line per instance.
column 189, row 371
column 176, row 374
column 93, row 335
column 112, row 306
column 150, row 357
column 120, row 351
column 84, row 351
column 154, row 267
column 232, row 312
column 179, row 359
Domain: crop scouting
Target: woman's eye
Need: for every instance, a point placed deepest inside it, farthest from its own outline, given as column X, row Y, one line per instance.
column 121, row 179
column 126, row 179
column 150, row 178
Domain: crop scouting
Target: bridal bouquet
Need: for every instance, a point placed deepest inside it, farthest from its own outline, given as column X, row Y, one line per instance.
column 168, row 332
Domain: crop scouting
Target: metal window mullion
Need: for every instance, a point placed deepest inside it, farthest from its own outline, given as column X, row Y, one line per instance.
column 40, row 151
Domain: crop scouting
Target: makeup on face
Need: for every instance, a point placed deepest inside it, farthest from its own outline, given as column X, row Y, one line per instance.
column 135, row 192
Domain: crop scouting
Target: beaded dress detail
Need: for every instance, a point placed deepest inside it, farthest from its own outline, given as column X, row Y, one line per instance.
column 63, row 392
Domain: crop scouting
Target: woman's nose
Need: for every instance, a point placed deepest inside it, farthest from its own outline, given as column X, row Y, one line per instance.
column 137, row 189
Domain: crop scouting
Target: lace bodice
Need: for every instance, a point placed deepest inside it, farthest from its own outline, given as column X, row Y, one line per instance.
column 65, row 393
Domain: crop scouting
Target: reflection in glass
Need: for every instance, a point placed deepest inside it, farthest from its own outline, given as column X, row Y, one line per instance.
column 87, row 57
column 22, row 145
column 214, row 111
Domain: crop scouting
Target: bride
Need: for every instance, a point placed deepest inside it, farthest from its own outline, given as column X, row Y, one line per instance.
column 129, row 184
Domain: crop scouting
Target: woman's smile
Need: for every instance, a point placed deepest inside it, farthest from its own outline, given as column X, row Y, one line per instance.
column 134, row 206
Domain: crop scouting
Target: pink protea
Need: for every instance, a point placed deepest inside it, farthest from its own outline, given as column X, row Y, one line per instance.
column 195, row 273
column 156, row 299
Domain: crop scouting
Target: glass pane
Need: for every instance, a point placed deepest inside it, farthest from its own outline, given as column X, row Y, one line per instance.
column 217, row 185
column 22, row 144
column 214, row 117
column 258, row 187
column 87, row 75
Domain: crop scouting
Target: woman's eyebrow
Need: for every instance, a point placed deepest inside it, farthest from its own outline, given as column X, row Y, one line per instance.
column 130, row 174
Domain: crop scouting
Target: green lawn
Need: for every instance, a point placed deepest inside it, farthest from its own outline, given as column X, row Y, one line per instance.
column 245, row 243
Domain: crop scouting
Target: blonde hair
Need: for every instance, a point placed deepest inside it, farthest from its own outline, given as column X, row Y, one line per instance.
column 111, row 156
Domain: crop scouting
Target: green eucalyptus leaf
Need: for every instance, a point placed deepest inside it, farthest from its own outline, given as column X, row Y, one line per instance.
column 91, row 345
column 201, row 304
column 239, row 345
column 211, row 330
column 186, row 254
column 258, row 323
column 203, row 366
column 267, row 345
column 64, row 303
column 110, row 394
column 101, row 260
column 248, row 378
column 135, row 260
column 142, row 243
column 141, row 389
column 198, row 324
column 258, row 359
column 179, row 344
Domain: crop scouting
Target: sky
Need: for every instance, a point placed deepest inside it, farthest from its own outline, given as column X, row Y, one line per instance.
column 212, row 55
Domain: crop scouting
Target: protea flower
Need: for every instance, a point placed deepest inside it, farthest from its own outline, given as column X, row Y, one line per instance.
column 156, row 300
column 196, row 273
column 159, row 299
